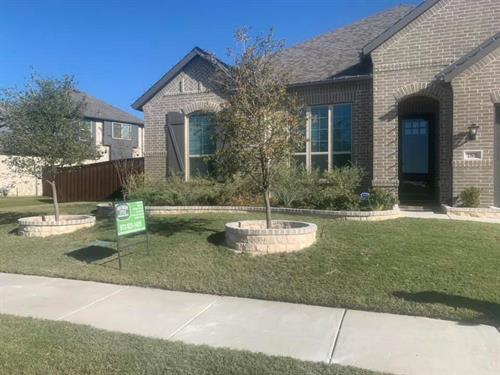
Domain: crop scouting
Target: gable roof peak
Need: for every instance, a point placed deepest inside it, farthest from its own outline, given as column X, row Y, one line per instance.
column 399, row 25
column 168, row 76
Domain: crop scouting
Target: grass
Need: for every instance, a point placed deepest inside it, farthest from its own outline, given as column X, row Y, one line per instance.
column 31, row 346
column 441, row 269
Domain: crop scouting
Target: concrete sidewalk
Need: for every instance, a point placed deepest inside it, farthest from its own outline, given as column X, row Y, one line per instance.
column 383, row 342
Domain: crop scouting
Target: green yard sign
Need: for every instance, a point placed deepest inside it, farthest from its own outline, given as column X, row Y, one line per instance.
column 130, row 218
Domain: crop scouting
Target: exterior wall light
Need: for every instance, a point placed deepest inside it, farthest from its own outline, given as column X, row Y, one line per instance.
column 472, row 131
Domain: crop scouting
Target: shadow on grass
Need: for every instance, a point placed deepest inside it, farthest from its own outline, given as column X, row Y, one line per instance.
column 45, row 200
column 11, row 217
column 490, row 310
column 217, row 238
column 92, row 253
column 170, row 226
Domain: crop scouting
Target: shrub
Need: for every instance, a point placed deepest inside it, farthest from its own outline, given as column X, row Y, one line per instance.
column 338, row 189
column 174, row 191
column 470, row 197
column 294, row 186
column 380, row 200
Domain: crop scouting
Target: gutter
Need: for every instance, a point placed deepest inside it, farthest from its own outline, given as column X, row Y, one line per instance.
column 364, row 77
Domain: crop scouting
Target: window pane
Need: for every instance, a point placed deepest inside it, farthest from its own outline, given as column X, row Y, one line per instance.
column 302, row 147
column 342, row 124
column 319, row 162
column 300, row 161
column 201, row 135
column 200, row 166
column 319, row 129
column 341, row 160
column 117, row 130
column 126, row 131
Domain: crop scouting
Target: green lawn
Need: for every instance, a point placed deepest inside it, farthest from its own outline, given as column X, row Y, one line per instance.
column 32, row 346
column 443, row 269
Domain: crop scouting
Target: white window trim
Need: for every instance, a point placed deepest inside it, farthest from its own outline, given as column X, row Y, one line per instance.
column 122, row 124
column 331, row 152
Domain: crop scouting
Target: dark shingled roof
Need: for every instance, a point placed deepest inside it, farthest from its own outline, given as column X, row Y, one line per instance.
column 337, row 53
column 98, row 110
column 470, row 59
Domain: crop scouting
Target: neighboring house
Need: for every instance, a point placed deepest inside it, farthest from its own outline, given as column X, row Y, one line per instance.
column 118, row 135
column 411, row 95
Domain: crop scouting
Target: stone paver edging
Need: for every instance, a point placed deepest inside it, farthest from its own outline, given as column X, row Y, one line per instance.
column 345, row 215
column 480, row 212
column 381, row 342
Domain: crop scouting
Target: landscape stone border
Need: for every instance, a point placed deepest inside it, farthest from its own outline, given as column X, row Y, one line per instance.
column 481, row 212
column 43, row 226
column 251, row 236
column 343, row 215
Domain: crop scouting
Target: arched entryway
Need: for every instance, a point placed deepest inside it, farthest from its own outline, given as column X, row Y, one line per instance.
column 418, row 150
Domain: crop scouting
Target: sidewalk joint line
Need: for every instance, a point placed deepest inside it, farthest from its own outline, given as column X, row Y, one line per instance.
column 91, row 304
column 336, row 339
column 192, row 319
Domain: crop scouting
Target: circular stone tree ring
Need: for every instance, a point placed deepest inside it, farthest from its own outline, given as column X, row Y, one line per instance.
column 253, row 237
column 43, row 226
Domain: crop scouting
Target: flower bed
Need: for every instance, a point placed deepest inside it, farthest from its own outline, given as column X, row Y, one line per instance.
column 345, row 215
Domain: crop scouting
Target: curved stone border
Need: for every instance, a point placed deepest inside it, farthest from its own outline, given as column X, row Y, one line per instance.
column 292, row 236
column 344, row 215
column 481, row 212
column 43, row 226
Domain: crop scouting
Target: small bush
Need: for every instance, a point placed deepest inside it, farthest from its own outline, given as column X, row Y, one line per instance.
column 470, row 197
column 294, row 187
column 380, row 200
column 339, row 189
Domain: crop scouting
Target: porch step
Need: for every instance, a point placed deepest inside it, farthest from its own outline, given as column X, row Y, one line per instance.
column 419, row 208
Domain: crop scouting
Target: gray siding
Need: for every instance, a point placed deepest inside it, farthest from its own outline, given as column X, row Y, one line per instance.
column 119, row 148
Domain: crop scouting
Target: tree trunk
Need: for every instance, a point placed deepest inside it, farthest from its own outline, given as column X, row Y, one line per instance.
column 54, row 199
column 267, row 200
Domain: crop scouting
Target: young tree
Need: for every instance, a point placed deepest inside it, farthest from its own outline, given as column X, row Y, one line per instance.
column 260, row 125
column 45, row 130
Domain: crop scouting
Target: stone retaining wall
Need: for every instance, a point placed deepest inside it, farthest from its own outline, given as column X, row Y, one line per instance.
column 344, row 215
column 482, row 212
column 43, row 226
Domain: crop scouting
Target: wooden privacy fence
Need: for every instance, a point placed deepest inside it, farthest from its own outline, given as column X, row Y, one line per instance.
column 93, row 182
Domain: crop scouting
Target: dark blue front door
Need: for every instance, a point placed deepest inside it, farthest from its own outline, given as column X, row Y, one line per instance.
column 416, row 160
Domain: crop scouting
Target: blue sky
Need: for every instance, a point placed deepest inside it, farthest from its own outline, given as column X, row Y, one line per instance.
column 117, row 49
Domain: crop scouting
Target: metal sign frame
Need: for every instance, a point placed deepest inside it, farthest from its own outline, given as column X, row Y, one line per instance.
column 119, row 246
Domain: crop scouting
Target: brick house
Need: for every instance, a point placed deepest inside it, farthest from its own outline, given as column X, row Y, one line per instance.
column 411, row 95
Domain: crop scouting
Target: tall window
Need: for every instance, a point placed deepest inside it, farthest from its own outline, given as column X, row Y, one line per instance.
column 329, row 130
column 342, row 137
column 319, row 138
column 122, row 131
column 202, row 144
